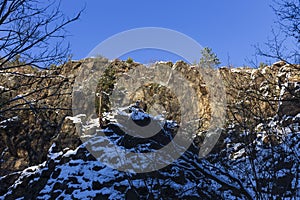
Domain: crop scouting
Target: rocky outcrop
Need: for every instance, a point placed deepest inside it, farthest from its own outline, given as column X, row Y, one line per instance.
column 76, row 174
column 157, row 98
column 35, row 110
column 265, row 91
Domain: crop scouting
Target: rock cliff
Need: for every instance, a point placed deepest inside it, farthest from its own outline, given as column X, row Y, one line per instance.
column 42, row 156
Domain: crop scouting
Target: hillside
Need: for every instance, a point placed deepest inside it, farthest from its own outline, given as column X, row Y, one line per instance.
column 43, row 155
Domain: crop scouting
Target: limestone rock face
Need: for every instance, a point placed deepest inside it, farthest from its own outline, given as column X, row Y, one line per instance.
column 264, row 91
column 36, row 105
column 76, row 174
column 28, row 133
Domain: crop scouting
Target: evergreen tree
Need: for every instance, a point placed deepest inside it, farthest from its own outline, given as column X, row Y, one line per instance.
column 208, row 58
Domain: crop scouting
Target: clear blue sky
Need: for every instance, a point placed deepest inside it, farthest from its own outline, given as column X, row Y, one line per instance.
column 230, row 28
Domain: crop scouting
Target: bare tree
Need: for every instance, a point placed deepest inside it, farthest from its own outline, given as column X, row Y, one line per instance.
column 288, row 13
column 32, row 35
column 259, row 103
column 285, row 42
column 32, row 39
column 34, row 31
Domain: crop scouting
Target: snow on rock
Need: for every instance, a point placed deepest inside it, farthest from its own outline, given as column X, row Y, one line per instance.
column 245, row 166
column 76, row 174
column 76, row 119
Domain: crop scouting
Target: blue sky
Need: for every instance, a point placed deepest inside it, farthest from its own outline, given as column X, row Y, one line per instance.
column 230, row 28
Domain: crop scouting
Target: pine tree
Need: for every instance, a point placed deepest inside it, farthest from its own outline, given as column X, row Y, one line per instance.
column 208, row 58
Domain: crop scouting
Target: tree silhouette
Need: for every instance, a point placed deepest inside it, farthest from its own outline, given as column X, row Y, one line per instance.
column 285, row 43
column 32, row 35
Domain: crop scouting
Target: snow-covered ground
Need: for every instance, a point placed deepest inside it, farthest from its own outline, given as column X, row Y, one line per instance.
column 233, row 173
